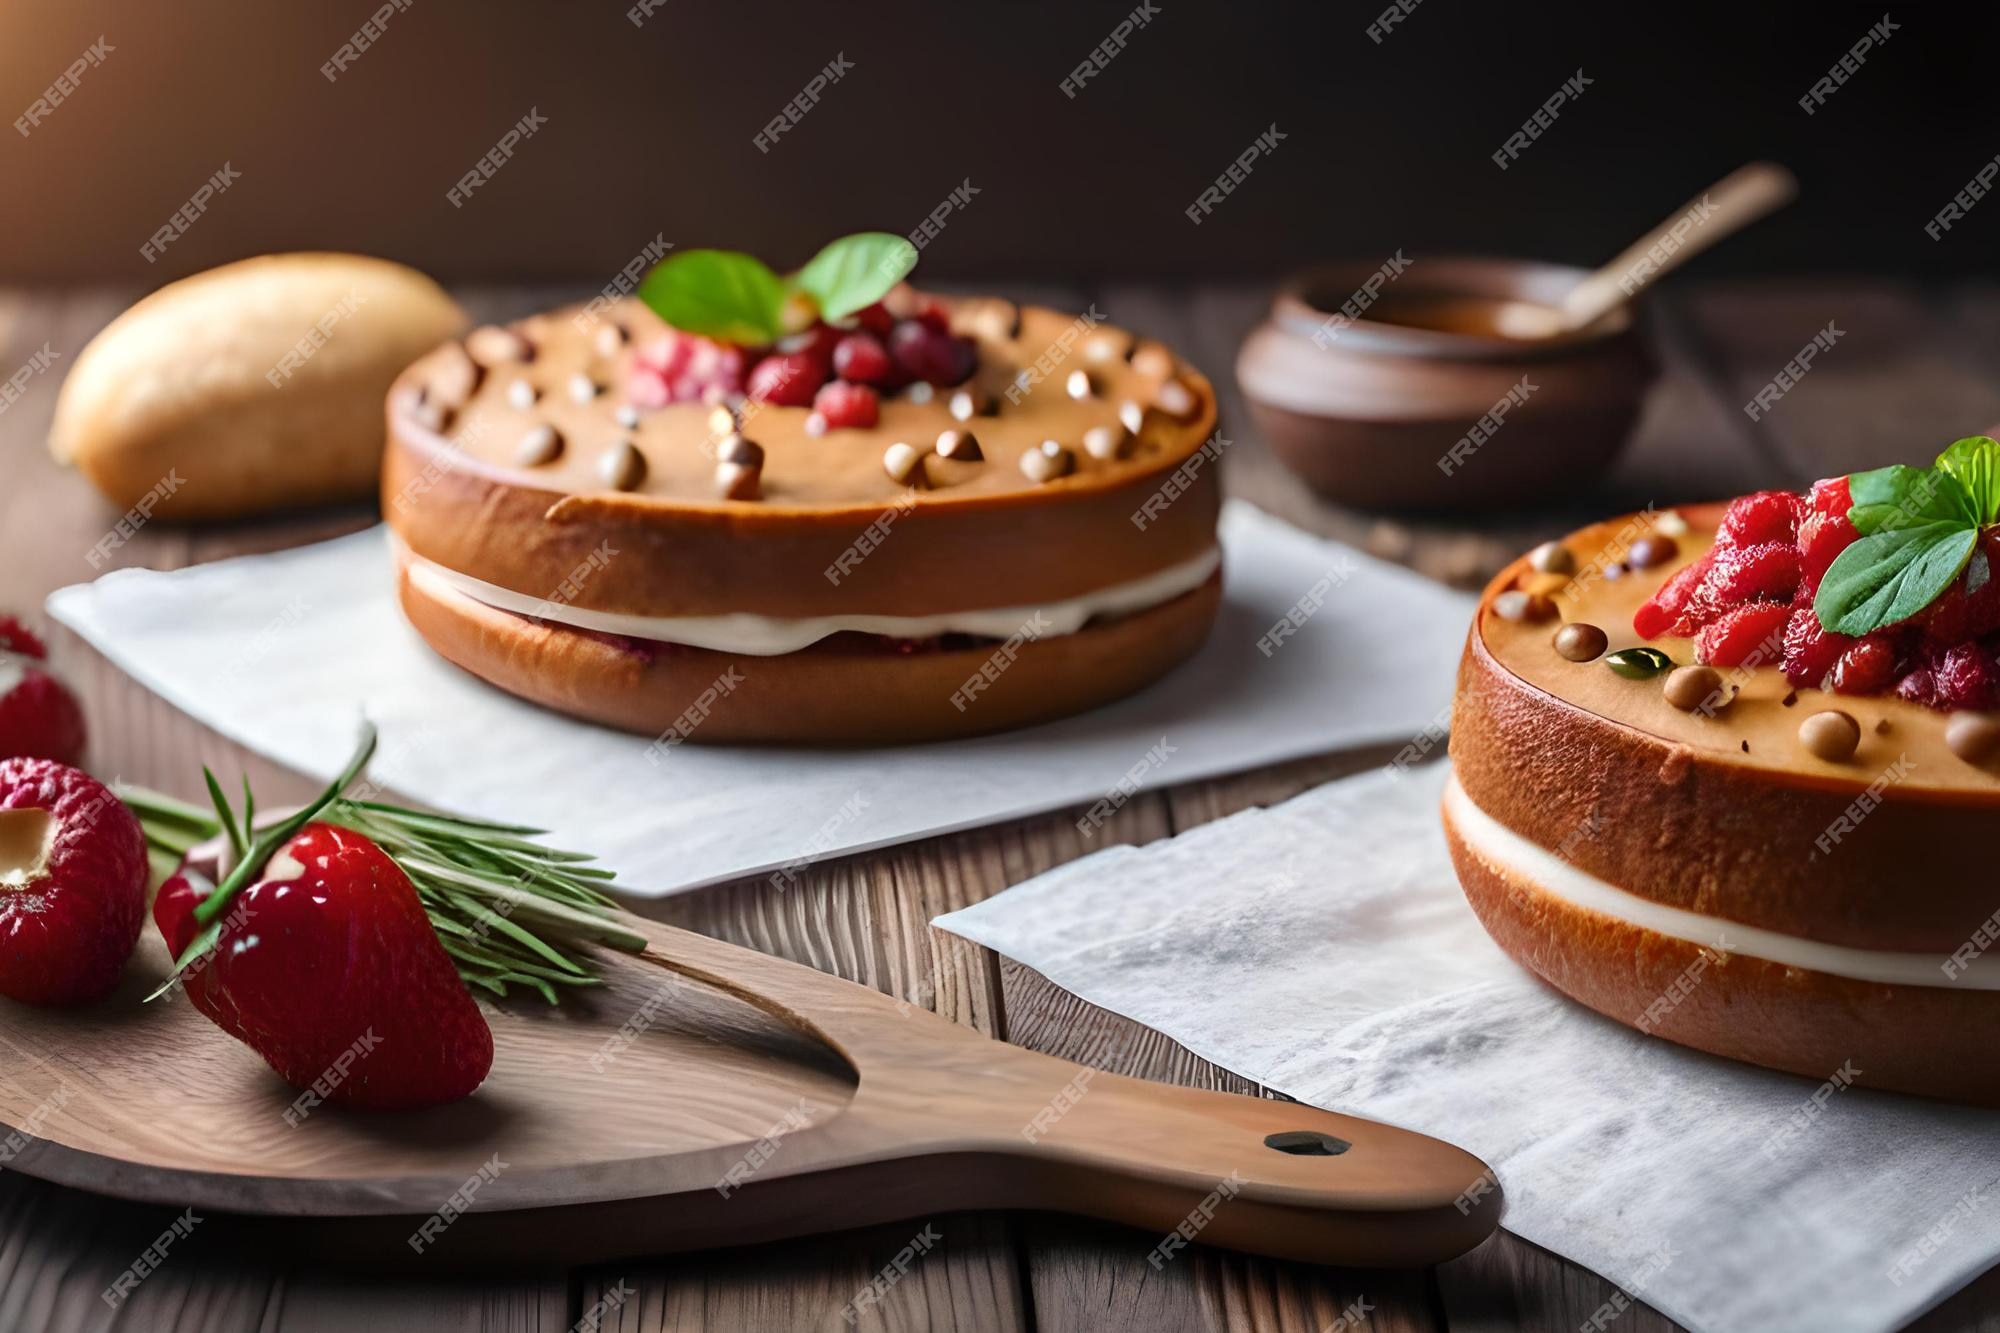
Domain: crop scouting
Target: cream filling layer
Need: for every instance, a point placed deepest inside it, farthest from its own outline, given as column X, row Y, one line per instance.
column 1970, row 969
column 769, row 636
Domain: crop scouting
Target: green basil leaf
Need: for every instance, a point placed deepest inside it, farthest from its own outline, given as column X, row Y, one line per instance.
column 1891, row 575
column 1892, row 498
column 1975, row 462
column 856, row 271
column 718, row 294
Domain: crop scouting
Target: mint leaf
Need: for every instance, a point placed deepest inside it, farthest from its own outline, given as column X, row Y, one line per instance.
column 1891, row 575
column 718, row 294
column 1975, row 463
column 1892, row 498
column 855, row 272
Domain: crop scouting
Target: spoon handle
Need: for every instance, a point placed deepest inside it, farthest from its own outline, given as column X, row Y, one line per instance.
column 1723, row 209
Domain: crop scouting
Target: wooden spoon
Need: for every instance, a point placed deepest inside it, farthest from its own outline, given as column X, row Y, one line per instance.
column 1725, row 208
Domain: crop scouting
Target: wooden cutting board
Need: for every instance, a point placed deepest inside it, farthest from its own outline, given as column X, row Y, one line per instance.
column 707, row 1095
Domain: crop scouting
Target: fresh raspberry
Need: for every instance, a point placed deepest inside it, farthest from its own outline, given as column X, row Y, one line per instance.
column 817, row 342
column 1767, row 570
column 787, row 379
column 1764, row 516
column 1919, row 687
column 1824, row 531
column 1748, row 635
column 18, row 638
column 1965, row 678
column 1866, row 668
column 860, row 358
column 849, row 405
column 39, row 717
column 1811, row 649
column 1661, row 610
column 924, row 351
column 69, row 919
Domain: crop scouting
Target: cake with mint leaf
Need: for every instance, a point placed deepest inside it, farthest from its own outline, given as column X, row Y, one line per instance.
column 1730, row 774
column 739, row 505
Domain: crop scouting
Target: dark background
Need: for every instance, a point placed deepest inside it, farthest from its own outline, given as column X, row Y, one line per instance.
column 649, row 131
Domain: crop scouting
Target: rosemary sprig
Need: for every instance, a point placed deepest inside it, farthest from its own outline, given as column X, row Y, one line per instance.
column 508, row 910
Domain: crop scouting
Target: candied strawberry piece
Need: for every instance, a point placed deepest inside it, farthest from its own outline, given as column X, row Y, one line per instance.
column 1919, row 687
column 1866, row 668
column 1810, row 648
column 1763, row 516
column 1824, row 531
column 1749, row 635
column 787, row 379
column 1767, row 570
column 1664, row 607
column 1965, row 678
column 680, row 367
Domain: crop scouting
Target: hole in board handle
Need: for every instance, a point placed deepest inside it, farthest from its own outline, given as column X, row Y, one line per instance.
column 1307, row 1143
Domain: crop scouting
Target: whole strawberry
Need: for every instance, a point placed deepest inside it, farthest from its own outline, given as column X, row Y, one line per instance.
column 327, row 966
column 72, row 883
column 39, row 717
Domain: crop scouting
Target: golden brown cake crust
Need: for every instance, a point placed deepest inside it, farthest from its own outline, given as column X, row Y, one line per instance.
column 829, row 694
column 1928, row 1040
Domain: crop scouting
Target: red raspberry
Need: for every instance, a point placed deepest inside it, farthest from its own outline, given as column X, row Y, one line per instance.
column 18, row 638
column 1866, row 668
column 1661, row 610
column 817, row 341
column 1919, row 687
column 787, row 379
column 1746, row 573
column 1965, row 678
column 843, row 404
column 69, row 919
column 1824, row 531
column 1765, row 516
column 40, row 718
column 1748, row 635
column 924, row 351
column 1810, row 648
column 860, row 358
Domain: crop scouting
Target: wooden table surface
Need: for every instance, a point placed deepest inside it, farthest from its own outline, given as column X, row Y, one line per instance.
column 1914, row 368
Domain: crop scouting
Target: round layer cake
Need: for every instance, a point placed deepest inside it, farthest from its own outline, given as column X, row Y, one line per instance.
column 1714, row 858
column 1021, row 536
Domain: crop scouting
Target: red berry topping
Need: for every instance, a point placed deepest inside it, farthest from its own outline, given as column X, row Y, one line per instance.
column 1765, row 516
column 849, row 405
column 1658, row 615
column 1811, row 649
column 1751, row 635
column 1766, row 571
column 1824, row 531
column 680, row 367
column 72, row 883
column 329, row 957
column 18, row 638
column 1866, row 668
column 787, row 379
column 925, row 351
column 1965, row 678
column 1970, row 608
column 876, row 319
column 860, row 358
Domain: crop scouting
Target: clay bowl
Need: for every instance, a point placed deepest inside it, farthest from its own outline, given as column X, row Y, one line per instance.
column 1412, row 398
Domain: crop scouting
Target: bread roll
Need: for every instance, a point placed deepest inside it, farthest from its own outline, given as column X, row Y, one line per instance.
column 255, row 386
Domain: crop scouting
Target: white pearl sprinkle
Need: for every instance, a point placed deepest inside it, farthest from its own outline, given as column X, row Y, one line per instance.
column 628, row 417
column 816, row 424
column 521, row 395
column 962, row 406
column 920, row 393
column 1133, row 415
column 1078, row 384
column 582, row 388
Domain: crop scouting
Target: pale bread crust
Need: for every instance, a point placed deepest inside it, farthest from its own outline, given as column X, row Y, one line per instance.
column 172, row 398
column 815, row 696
